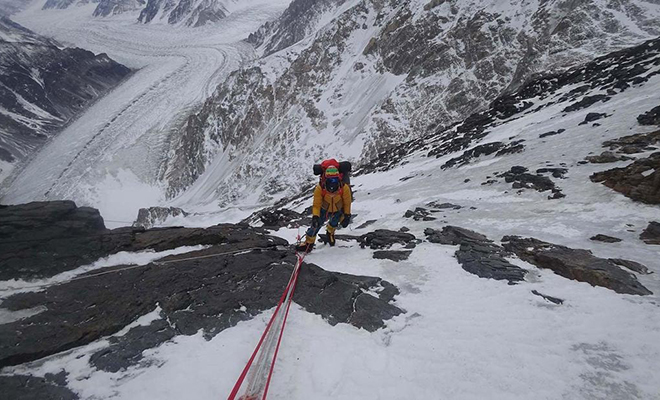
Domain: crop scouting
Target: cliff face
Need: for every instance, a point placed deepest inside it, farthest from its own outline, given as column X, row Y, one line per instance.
column 43, row 86
column 355, row 78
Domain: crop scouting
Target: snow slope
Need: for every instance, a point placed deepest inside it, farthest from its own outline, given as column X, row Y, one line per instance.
column 117, row 147
column 462, row 337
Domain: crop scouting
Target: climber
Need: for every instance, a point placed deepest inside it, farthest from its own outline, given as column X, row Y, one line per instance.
column 332, row 202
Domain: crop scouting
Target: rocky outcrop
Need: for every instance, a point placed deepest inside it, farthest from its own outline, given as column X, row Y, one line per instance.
column 477, row 254
column 393, row 255
column 577, row 264
column 607, row 157
column 241, row 274
column 497, row 148
column 651, row 117
column 632, row 265
column 604, row 238
column 521, row 179
column 637, row 143
column 384, row 239
column 640, row 181
column 43, row 85
column 42, row 239
column 27, row 387
column 149, row 217
column 651, row 234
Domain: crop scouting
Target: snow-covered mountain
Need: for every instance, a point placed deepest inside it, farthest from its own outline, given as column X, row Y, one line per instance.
column 43, row 86
column 353, row 78
column 176, row 12
column 513, row 255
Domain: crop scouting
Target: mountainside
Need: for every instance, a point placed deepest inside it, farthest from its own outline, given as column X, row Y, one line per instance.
column 366, row 75
column 44, row 85
column 186, row 12
column 512, row 255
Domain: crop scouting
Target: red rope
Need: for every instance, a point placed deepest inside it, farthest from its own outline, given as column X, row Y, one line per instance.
column 279, row 340
column 292, row 282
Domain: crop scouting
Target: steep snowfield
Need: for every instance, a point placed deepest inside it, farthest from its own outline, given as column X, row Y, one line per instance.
column 463, row 337
column 117, row 147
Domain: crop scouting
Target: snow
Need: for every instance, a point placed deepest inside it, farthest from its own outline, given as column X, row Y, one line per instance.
column 462, row 337
column 121, row 141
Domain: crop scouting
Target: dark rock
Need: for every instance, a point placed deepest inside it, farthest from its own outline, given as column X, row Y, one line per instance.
column 577, row 264
column 549, row 298
column 453, row 235
column 367, row 223
column 280, row 218
column 394, row 255
column 35, row 388
column 383, row 238
column 587, row 101
column 636, row 143
column 651, row 234
column 606, row 157
column 42, row 239
column 127, row 350
column 520, row 179
column 593, row 117
column 476, row 254
column 420, row 214
column 443, row 206
column 149, row 217
column 650, row 117
column 552, row 133
column 632, row 265
column 499, row 148
column 556, row 172
column 640, row 181
column 605, row 238
column 404, row 229
column 210, row 293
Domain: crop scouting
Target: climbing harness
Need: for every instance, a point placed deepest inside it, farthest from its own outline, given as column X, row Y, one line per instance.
column 259, row 373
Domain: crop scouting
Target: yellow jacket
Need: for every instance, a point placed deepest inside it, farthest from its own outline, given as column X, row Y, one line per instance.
column 332, row 202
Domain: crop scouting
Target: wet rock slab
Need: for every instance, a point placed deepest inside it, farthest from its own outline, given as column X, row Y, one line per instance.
column 477, row 254
column 577, row 264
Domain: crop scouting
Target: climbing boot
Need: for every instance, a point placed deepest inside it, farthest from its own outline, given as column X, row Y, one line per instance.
column 305, row 247
column 331, row 238
column 331, row 235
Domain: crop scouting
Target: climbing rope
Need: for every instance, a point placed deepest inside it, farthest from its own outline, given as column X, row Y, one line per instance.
column 259, row 374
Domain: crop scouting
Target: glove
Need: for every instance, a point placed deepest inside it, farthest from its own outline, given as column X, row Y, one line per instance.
column 346, row 220
column 316, row 221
